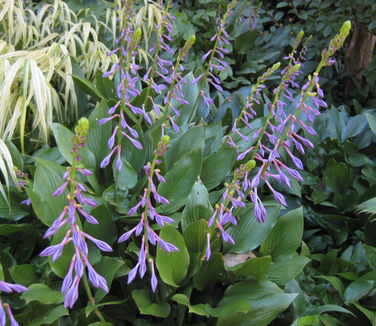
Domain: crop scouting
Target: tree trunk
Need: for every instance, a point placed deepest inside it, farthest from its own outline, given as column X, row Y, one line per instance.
column 359, row 53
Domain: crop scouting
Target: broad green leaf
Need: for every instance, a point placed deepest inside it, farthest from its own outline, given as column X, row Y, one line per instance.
column 126, row 178
column 63, row 138
column 24, row 274
column 88, row 87
column 249, row 233
column 107, row 267
column 337, row 175
column 335, row 282
column 217, row 165
column 6, row 229
column 357, row 289
column 46, row 315
column 328, row 308
column 98, row 135
column 191, row 140
column 147, row 307
column 198, row 309
column 106, row 229
column 195, row 236
column 11, row 210
column 371, row 256
column 369, row 206
column 47, row 178
column 198, row 205
column 253, row 267
column 355, row 125
column 371, row 315
column 191, row 92
column 286, row 235
column 42, row 293
column 266, row 302
column 211, row 272
column 172, row 266
column 371, row 121
column 285, row 270
column 180, row 180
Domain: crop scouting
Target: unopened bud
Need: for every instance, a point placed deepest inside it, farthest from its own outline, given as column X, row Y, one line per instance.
column 250, row 165
column 346, row 27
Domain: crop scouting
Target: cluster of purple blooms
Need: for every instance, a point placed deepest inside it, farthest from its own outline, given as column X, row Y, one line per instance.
column 281, row 130
column 215, row 57
column 22, row 182
column 149, row 213
column 70, row 216
column 9, row 288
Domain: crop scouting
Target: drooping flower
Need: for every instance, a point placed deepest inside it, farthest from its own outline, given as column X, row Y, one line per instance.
column 70, row 216
column 149, row 214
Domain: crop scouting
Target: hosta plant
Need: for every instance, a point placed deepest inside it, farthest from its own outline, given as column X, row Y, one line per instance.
column 151, row 215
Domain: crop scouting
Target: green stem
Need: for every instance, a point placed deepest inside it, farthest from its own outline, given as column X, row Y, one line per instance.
column 91, row 299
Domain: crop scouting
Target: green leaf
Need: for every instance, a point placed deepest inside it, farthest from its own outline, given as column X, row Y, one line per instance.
column 198, row 205
column 371, row 315
column 283, row 271
column 42, row 314
column 249, row 233
column 253, row 267
column 198, row 309
column 24, row 274
column 286, row 235
column 266, row 302
column 101, row 323
column 369, row 206
column 88, row 87
column 11, row 210
column 98, row 135
column 63, row 138
column 335, row 282
column 211, row 272
column 6, row 229
column 222, row 160
column 357, row 289
column 47, row 178
column 191, row 92
column 371, row 121
column 106, row 229
column 107, row 267
column 195, row 236
column 126, row 178
column 192, row 140
column 42, row 293
column 147, row 307
column 337, row 175
column 180, row 180
column 371, row 256
column 172, row 266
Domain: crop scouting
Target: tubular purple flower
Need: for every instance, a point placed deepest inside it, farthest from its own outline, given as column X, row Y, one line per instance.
column 99, row 243
column 59, row 191
column 153, row 280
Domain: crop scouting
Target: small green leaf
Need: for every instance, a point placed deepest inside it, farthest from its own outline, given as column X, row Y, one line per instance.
column 42, row 293
column 357, row 289
column 198, row 309
column 192, row 140
column 371, row 315
column 24, row 274
column 286, row 235
column 172, row 266
column 217, row 165
column 283, row 271
column 147, row 307
column 249, row 233
column 180, row 180
column 88, row 87
column 198, row 205
column 126, row 178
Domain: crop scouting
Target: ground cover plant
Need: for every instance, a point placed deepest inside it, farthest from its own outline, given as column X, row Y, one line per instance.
column 188, row 184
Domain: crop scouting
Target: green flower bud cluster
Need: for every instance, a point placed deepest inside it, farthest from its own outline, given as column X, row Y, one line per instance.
column 81, row 131
column 162, row 145
column 136, row 38
column 337, row 42
column 187, row 46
